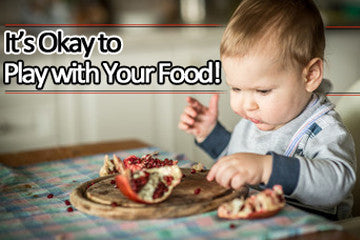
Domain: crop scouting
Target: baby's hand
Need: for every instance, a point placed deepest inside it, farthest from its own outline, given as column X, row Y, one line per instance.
column 239, row 169
column 198, row 119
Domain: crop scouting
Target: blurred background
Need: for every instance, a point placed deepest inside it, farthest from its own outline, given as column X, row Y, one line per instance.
column 41, row 121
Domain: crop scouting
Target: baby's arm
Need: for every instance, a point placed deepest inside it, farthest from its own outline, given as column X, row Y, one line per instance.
column 327, row 169
column 323, row 177
column 201, row 121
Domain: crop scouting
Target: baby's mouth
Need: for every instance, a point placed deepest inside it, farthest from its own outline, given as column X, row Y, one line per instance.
column 254, row 120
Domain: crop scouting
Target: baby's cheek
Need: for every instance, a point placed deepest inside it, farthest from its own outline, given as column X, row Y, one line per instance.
column 236, row 106
column 279, row 114
column 273, row 111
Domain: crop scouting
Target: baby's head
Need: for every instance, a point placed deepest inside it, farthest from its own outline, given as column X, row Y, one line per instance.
column 272, row 53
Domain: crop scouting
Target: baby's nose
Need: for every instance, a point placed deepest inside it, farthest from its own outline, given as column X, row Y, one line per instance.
column 249, row 104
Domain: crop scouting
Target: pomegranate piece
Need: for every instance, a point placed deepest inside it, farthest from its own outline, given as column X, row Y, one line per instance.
column 232, row 226
column 134, row 163
column 70, row 209
column 50, row 195
column 146, row 162
column 138, row 183
column 147, row 180
column 67, row 202
column 264, row 204
column 89, row 185
column 168, row 180
column 198, row 167
column 197, row 191
column 110, row 166
column 160, row 190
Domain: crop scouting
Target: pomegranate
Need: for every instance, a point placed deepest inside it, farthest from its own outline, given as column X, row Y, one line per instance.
column 147, row 179
column 264, row 204
column 134, row 163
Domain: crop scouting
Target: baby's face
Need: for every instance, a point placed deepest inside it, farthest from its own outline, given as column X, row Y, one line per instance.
column 264, row 92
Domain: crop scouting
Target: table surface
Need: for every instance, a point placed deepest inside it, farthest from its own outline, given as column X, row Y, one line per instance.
column 58, row 153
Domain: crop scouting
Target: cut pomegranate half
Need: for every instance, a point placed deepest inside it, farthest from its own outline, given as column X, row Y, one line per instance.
column 147, row 179
column 264, row 204
column 149, row 185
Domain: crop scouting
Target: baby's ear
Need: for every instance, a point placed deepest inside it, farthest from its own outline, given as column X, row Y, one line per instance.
column 313, row 74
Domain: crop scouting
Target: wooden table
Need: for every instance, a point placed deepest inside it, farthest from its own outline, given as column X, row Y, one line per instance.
column 58, row 153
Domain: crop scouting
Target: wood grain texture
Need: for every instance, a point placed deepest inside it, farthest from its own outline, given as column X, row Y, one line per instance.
column 97, row 199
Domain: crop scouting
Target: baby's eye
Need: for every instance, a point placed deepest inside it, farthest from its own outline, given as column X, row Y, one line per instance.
column 235, row 89
column 264, row 92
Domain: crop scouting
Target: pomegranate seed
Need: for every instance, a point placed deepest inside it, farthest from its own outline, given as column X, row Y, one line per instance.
column 193, row 171
column 114, row 204
column 113, row 181
column 160, row 190
column 70, row 209
column 50, row 195
column 232, row 226
column 67, row 202
column 138, row 183
column 197, row 191
column 168, row 179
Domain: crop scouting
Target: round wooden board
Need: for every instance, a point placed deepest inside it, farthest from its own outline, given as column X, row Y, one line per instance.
column 99, row 197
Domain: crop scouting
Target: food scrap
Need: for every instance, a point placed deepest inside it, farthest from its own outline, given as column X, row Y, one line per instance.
column 264, row 204
column 198, row 167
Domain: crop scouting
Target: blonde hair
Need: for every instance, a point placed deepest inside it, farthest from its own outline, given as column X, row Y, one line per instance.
column 295, row 25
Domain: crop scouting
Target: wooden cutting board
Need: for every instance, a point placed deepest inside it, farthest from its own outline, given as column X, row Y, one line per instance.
column 97, row 197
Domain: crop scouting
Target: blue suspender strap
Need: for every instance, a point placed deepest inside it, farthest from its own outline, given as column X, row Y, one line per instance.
column 296, row 139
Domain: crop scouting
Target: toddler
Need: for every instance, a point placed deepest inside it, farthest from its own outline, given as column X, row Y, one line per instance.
column 272, row 54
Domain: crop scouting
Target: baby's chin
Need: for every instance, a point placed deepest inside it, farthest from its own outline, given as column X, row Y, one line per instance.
column 267, row 127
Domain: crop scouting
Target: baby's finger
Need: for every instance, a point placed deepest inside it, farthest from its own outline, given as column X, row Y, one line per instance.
column 191, row 111
column 187, row 119
column 237, row 181
column 213, row 105
column 194, row 103
column 183, row 126
column 191, row 100
column 226, row 177
column 188, row 129
column 222, row 170
column 211, row 175
column 215, row 168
